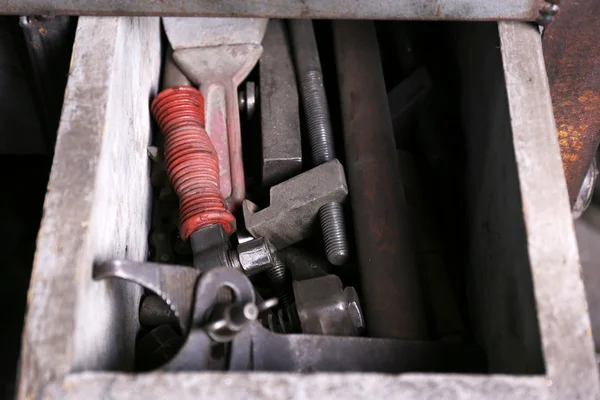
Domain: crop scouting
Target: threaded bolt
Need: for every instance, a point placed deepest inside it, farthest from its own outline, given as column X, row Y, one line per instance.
column 317, row 117
column 320, row 134
column 334, row 233
column 278, row 276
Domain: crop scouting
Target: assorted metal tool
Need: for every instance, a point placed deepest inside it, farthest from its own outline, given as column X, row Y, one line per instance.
column 237, row 282
column 217, row 54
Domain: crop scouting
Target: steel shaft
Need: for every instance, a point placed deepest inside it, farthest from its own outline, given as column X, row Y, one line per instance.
column 392, row 296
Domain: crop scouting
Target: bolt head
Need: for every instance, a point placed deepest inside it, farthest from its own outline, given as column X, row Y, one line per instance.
column 256, row 256
column 550, row 9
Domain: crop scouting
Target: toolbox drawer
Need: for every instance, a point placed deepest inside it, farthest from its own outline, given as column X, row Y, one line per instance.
column 524, row 290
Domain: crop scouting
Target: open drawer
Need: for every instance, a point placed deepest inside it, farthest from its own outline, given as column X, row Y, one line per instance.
column 523, row 289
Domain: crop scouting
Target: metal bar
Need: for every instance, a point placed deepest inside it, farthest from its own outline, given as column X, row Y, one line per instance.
column 280, row 119
column 571, row 49
column 320, row 132
column 311, row 353
column 386, row 258
column 358, row 9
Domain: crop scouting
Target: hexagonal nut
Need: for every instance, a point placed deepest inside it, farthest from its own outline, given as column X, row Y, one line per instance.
column 354, row 309
column 256, row 255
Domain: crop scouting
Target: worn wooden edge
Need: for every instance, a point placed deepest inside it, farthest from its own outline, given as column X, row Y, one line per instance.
column 72, row 234
column 261, row 385
column 47, row 350
column 559, row 293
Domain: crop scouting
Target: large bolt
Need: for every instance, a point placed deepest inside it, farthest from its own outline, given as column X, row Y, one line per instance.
column 316, row 111
column 260, row 255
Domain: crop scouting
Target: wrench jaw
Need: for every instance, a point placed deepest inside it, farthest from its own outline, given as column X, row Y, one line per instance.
column 173, row 283
column 209, row 326
column 193, row 297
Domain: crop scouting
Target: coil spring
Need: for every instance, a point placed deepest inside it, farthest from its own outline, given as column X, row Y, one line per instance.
column 284, row 320
column 191, row 160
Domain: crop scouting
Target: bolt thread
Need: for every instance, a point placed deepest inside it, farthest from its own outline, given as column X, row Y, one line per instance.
column 233, row 259
column 322, row 149
column 334, row 233
column 320, row 134
column 278, row 276
column 277, row 273
column 317, row 117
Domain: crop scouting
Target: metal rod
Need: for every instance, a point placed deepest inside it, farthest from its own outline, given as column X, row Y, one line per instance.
column 320, row 134
column 392, row 295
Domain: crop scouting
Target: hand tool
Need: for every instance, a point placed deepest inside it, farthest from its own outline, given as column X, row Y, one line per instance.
column 217, row 54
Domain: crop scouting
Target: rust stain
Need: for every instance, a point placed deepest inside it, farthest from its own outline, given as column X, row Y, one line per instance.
column 42, row 31
column 572, row 54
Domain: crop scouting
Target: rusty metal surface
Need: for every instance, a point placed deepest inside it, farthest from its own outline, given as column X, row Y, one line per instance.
column 572, row 55
column 387, row 265
column 359, row 9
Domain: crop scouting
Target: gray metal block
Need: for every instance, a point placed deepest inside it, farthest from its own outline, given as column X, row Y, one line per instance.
column 293, row 211
column 280, row 114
